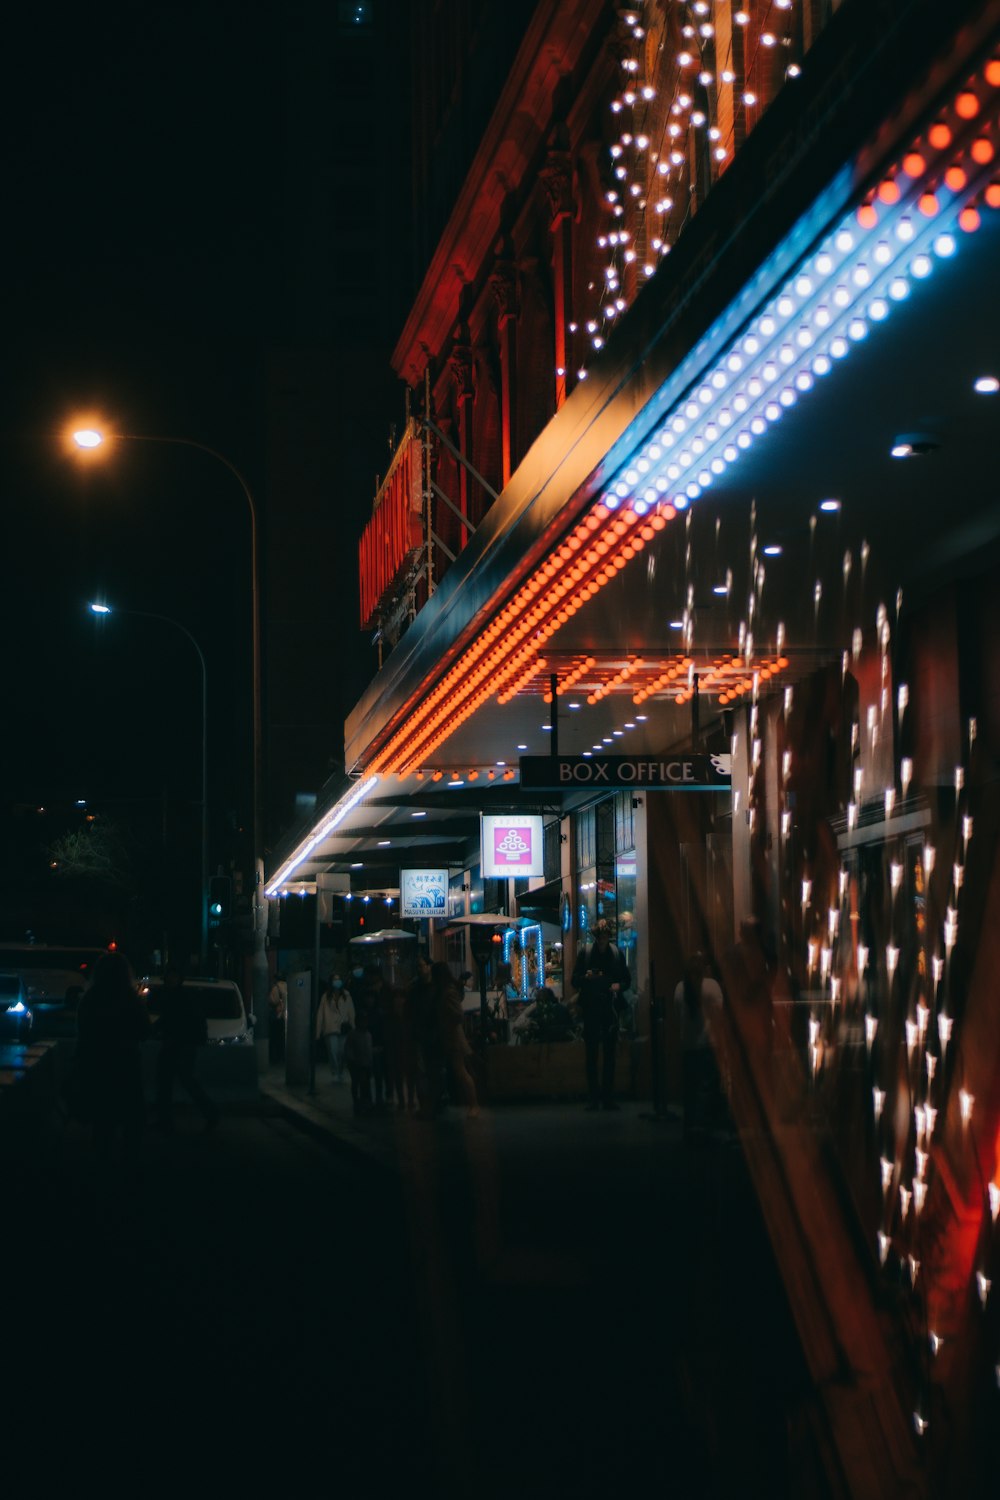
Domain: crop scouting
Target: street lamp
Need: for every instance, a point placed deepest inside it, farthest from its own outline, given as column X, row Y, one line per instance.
column 87, row 439
column 141, row 614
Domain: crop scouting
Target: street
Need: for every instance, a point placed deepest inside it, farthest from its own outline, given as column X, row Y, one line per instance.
column 503, row 1313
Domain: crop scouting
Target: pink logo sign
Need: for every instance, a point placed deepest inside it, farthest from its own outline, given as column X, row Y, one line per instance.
column 511, row 846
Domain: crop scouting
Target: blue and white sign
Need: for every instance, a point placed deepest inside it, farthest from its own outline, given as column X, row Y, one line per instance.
column 423, row 893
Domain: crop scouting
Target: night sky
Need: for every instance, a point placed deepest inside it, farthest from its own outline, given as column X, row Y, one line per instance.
column 162, row 172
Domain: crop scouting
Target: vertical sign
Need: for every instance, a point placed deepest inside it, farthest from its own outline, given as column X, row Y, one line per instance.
column 511, row 845
column 423, row 893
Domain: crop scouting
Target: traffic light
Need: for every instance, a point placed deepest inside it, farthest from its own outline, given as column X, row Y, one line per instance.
column 220, row 900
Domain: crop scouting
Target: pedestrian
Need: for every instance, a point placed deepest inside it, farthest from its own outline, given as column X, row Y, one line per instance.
column 278, row 1002
column 182, row 1028
column 334, row 1020
column 111, row 1024
column 454, row 1043
column 358, row 1057
column 699, row 999
column 600, row 978
column 425, row 1033
column 400, row 1054
column 376, row 1009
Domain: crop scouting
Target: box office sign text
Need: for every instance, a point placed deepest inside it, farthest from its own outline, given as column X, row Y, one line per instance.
column 675, row 773
column 511, row 845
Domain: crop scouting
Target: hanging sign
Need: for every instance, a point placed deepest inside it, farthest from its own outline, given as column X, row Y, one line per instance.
column 652, row 773
column 511, row 845
column 423, row 893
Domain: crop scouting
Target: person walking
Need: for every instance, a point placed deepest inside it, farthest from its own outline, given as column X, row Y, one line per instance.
column 334, row 1020
column 699, row 999
column 600, row 978
column 401, row 1067
column 454, row 1043
column 182, row 1028
column 358, row 1057
column 111, row 1024
column 426, row 1039
column 376, row 1006
column 278, row 1002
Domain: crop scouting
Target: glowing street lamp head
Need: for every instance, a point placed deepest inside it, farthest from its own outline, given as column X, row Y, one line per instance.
column 88, row 437
column 99, row 609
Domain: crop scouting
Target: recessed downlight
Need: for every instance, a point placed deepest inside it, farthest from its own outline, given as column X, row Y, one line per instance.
column 913, row 445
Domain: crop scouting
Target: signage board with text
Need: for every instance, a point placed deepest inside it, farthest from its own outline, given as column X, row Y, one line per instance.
column 653, row 773
column 511, row 845
column 423, row 893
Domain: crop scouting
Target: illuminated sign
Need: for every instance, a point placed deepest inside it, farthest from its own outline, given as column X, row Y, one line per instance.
column 677, row 773
column 423, row 893
column 511, row 845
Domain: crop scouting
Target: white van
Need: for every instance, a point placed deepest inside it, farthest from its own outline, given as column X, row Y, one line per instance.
column 221, row 1004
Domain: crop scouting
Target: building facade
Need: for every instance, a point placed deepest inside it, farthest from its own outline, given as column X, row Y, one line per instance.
column 690, row 551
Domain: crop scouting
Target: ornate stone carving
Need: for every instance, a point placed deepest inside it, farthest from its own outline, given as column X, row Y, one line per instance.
column 460, row 368
column 557, row 179
column 503, row 286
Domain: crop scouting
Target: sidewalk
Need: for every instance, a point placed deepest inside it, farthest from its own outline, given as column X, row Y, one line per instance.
column 537, row 1129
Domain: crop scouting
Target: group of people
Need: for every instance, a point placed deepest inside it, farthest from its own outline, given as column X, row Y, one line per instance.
column 105, row 1088
column 404, row 1046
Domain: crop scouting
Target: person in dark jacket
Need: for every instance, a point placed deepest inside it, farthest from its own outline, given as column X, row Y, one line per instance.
column 111, row 1024
column 182, row 1029
column 452, row 1041
column 600, row 978
column 423, row 1028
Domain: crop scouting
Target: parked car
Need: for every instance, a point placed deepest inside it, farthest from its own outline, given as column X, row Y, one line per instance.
column 16, row 1019
column 56, row 976
column 221, row 1003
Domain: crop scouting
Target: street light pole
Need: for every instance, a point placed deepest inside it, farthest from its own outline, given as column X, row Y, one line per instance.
column 89, row 438
column 142, row 614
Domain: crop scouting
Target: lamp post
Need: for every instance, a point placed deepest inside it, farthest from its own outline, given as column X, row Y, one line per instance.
column 104, row 610
column 89, row 438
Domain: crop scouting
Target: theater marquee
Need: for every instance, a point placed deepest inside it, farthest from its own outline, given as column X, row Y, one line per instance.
column 664, row 773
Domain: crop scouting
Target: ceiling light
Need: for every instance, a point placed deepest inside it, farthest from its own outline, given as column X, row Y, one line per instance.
column 829, row 505
column 676, row 624
column 774, row 550
column 987, row 385
column 522, row 747
column 913, row 445
column 720, row 588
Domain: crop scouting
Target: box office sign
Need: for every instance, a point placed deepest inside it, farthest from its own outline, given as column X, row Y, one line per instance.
column 423, row 893
column 511, row 845
column 675, row 773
